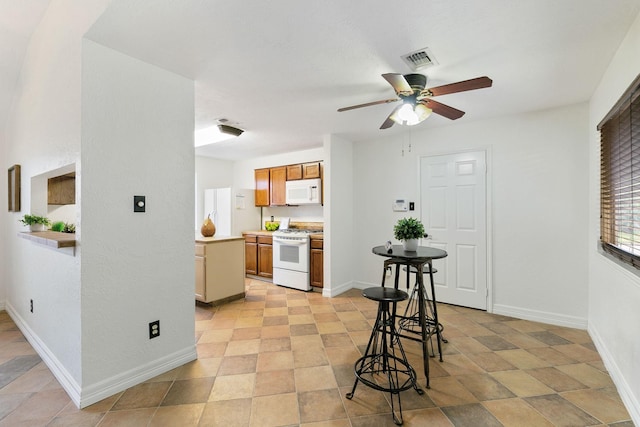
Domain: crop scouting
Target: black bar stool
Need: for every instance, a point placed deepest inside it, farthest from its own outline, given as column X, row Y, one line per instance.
column 384, row 365
column 410, row 320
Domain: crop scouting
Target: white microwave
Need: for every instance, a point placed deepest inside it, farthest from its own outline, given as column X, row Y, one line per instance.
column 304, row 192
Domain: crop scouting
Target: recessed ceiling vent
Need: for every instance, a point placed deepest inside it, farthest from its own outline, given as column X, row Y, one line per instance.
column 419, row 59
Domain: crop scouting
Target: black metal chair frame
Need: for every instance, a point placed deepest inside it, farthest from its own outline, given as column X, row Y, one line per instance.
column 421, row 315
column 384, row 366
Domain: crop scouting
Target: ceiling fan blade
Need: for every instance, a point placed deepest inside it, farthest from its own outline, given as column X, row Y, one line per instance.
column 399, row 83
column 389, row 121
column 368, row 104
column 477, row 83
column 443, row 110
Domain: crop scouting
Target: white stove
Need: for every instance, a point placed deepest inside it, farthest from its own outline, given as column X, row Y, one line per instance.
column 291, row 258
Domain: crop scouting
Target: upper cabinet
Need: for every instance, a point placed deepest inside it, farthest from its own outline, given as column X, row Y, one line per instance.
column 271, row 183
column 271, row 186
column 262, row 187
column 294, row 172
column 278, row 186
column 303, row 171
column 311, row 170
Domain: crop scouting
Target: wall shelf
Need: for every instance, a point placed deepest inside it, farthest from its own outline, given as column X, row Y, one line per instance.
column 53, row 239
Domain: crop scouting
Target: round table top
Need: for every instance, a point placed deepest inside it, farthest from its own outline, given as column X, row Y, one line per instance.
column 423, row 252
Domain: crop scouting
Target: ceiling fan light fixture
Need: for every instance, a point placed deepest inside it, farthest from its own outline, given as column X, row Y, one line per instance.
column 406, row 113
column 422, row 112
column 411, row 115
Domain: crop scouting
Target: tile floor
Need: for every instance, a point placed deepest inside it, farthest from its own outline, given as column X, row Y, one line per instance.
column 285, row 358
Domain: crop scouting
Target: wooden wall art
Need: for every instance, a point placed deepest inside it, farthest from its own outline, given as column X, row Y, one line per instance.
column 14, row 188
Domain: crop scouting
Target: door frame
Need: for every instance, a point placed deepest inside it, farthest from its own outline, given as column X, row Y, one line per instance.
column 489, row 205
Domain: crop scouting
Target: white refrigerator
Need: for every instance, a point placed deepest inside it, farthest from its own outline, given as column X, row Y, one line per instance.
column 232, row 211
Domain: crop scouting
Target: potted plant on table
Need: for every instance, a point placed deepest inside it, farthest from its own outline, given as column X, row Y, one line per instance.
column 35, row 222
column 409, row 230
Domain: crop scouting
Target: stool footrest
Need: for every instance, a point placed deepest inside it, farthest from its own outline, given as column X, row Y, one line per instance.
column 375, row 371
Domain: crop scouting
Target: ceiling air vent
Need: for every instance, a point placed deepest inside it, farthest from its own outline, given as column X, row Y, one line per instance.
column 419, row 59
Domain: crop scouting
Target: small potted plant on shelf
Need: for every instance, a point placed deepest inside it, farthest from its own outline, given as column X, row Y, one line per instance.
column 35, row 222
column 408, row 230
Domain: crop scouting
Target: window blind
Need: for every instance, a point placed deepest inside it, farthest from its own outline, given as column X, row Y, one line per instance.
column 620, row 178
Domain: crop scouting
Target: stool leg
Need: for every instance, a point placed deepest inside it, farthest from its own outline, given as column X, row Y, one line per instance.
column 372, row 344
column 423, row 328
column 436, row 322
column 381, row 358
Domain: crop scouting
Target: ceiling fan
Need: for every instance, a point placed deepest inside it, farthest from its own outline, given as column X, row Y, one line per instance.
column 417, row 104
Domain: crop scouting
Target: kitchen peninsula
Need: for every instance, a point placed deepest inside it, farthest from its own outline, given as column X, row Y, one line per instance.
column 220, row 264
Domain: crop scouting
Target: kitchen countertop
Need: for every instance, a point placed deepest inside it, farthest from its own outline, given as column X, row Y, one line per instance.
column 258, row 233
column 314, row 235
column 215, row 239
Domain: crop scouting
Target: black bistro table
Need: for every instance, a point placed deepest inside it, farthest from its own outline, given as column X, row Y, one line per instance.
column 417, row 259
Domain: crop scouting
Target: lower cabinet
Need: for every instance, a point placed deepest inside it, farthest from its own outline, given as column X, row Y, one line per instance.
column 258, row 251
column 219, row 271
column 317, row 261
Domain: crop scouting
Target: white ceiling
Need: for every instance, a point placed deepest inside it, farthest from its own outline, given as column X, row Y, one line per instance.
column 280, row 69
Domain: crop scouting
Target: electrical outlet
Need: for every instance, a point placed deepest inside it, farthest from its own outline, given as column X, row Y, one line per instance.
column 31, row 305
column 154, row 329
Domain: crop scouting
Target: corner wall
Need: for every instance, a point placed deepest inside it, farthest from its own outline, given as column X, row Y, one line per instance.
column 137, row 139
column 614, row 290
column 43, row 133
column 339, row 233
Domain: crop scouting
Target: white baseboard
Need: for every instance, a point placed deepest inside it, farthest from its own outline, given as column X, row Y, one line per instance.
column 541, row 316
column 626, row 394
column 83, row 397
column 1, row 305
column 58, row 370
column 336, row 290
column 98, row 391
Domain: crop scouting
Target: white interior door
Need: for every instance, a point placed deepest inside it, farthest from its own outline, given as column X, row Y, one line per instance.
column 453, row 207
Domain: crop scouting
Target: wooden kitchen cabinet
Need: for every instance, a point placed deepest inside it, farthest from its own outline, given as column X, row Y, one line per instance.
column 278, row 186
column 311, row 170
column 262, row 187
column 294, row 172
column 265, row 256
column 316, row 271
column 258, row 255
column 251, row 254
column 271, row 186
column 219, row 265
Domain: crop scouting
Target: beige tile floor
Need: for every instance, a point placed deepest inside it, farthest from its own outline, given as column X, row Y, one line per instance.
column 282, row 357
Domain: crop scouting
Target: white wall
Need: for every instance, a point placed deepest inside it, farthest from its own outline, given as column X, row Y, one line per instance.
column 137, row 139
column 134, row 126
column 340, row 233
column 42, row 134
column 538, row 189
column 614, row 291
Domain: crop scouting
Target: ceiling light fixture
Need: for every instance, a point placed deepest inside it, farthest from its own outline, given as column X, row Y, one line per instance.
column 230, row 130
column 217, row 133
column 410, row 114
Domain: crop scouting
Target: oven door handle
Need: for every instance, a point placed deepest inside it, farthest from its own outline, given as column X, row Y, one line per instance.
column 295, row 242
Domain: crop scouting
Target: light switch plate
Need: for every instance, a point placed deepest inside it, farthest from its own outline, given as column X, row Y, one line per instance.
column 139, row 203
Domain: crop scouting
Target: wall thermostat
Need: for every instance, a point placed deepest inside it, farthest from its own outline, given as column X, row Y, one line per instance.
column 400, row 205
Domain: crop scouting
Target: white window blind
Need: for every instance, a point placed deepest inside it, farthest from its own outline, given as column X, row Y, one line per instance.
column 620, row 178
